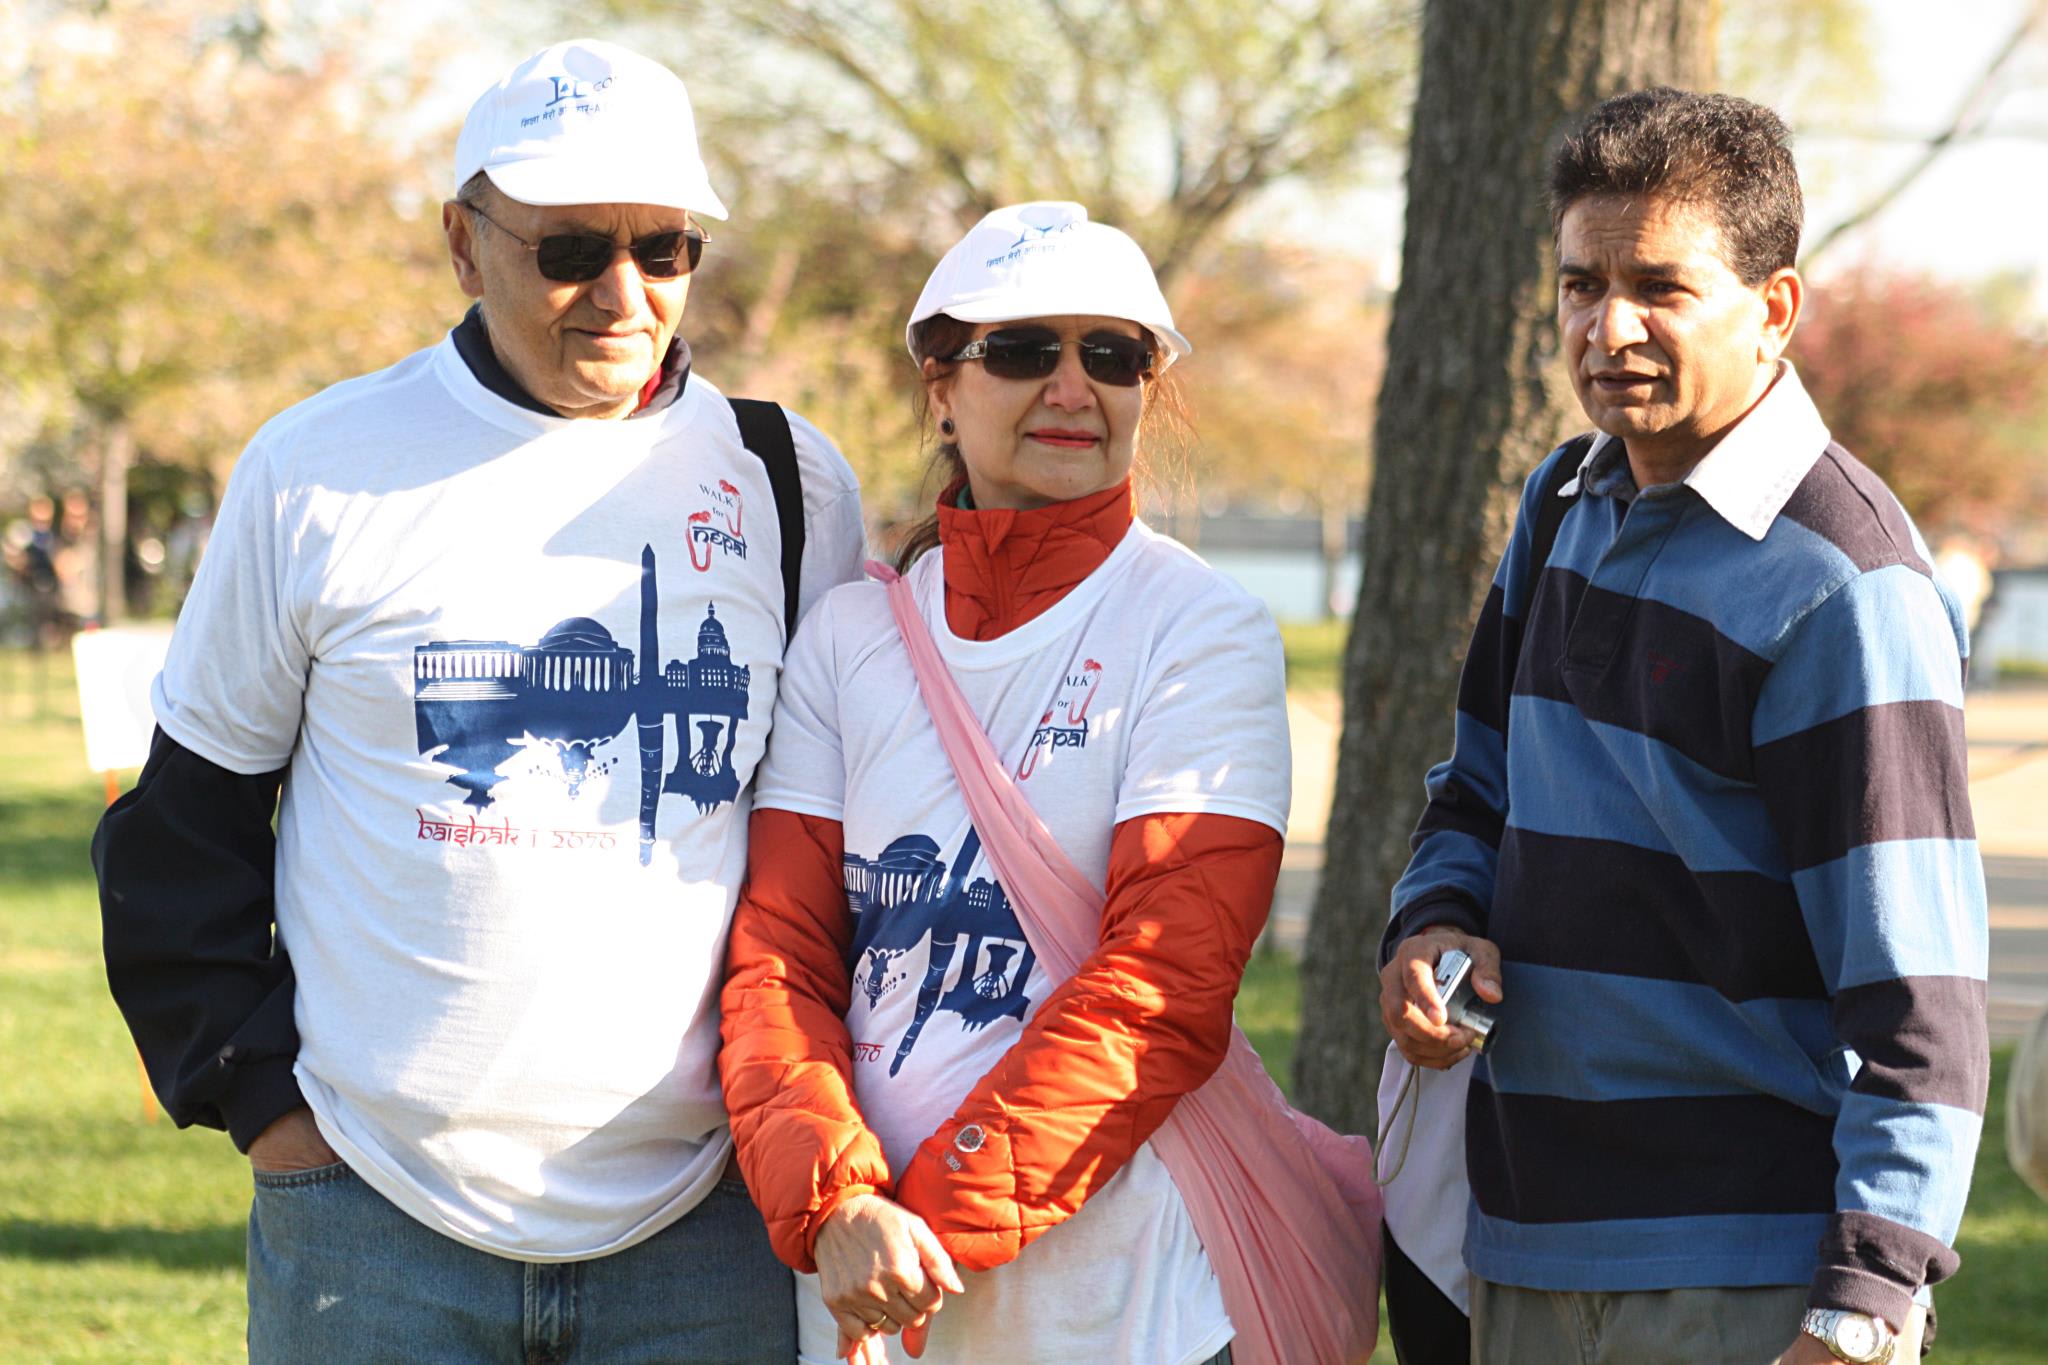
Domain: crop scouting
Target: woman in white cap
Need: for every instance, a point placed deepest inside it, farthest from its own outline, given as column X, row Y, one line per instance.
column 950, row 1136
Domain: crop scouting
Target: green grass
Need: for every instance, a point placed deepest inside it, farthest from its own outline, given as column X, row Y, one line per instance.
column 1315, row 654
column 2022, row 671
column 1996, row 1309
column 121, row 1240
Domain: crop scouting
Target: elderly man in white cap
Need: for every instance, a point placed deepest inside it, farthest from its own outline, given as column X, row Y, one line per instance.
column 505, row 622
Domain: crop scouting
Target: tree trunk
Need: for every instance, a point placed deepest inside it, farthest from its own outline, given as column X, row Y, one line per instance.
column 1473, row 397
column 117, row 454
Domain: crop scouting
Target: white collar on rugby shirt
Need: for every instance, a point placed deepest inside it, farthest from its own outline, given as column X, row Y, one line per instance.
column 1750, row 474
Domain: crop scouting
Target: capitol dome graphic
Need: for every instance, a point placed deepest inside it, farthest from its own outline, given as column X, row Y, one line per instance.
column 711, row 636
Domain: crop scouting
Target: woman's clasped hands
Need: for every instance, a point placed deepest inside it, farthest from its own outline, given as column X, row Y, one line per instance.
column 881, row 1271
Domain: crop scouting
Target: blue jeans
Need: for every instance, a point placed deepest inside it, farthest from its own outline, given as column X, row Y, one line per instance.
column 337, row 1274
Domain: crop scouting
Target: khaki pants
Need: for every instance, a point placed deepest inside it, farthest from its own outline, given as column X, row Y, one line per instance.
column 1512, row 1326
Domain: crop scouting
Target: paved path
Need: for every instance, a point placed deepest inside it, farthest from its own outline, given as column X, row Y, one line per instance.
column 2008, row 731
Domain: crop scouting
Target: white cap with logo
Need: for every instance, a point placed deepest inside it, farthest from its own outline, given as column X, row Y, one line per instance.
column 1046, row 259
column 588, row 122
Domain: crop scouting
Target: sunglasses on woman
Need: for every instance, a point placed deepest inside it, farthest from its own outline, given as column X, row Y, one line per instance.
column 578, row 257
column 1034, row 353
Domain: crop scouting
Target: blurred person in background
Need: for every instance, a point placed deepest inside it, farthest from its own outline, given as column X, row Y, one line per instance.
column 31, row 551
column 1706, row 829
column 461, row 1013
column 76, row 562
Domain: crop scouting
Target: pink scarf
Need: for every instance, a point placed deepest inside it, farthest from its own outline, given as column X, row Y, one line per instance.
column 1286, row 1209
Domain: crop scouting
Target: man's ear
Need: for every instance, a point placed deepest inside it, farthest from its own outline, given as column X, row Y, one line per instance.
column 460, row 229
column 1784, row 294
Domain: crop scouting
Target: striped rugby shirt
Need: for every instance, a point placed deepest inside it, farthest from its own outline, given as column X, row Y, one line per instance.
column 1710, row 800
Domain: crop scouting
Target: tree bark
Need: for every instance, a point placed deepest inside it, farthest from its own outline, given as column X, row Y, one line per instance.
column 1473, row 397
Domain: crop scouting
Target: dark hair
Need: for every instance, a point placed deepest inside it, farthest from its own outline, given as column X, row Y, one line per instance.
column 1165, row 417
column 1723, row 153
column 937, row 336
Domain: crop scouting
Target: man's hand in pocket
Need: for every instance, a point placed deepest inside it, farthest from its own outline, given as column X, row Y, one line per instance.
column 291, row 1143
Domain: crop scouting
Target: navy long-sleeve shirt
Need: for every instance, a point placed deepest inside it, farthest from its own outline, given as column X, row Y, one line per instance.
column 185, row 864
column 1709, row 798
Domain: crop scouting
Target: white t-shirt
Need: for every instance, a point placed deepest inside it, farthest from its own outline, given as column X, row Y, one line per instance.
column 1425, row 1149
column 522, row 669
column 1155, row 685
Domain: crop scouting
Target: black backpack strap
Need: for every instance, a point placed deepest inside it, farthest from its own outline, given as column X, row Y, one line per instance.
column 764, row 427
column 1551, row 508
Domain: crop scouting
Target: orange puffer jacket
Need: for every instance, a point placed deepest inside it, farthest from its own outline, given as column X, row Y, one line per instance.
column 1096, row 1070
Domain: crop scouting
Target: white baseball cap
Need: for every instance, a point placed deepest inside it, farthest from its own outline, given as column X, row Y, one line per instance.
column 1046, row 259
column 588, row 122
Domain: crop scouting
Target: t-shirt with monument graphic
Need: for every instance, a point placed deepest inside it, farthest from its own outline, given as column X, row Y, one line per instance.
column 522, row 669
column 1154, row 686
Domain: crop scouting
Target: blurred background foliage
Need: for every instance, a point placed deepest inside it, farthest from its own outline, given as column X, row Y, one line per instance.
column 209, row 211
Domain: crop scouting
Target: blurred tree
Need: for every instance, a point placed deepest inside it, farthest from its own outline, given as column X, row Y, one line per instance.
column 860, row 139
column 1971, row 116
column 1163, row 116
column 1803, row 58
column 197, row 234
column 802, row 299
column 873, row 133
column 1472, row 398
column 1290, row 345
column 1931, row 387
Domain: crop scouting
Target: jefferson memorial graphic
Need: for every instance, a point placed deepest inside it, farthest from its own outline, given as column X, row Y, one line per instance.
column 979, row 960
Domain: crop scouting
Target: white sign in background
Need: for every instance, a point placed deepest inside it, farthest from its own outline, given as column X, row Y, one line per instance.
column 115, row 670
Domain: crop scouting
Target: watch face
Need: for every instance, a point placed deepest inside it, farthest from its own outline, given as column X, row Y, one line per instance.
column 1856, row 1336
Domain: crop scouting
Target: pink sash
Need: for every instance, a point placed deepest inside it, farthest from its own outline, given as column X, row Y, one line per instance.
column 1286, row 1209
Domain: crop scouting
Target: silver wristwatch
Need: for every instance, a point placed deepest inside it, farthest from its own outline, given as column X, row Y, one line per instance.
column 1854, row 1337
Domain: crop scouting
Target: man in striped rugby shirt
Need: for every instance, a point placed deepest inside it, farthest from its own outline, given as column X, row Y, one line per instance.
column 1706, row 828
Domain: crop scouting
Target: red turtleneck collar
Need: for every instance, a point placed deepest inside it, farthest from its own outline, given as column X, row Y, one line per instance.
column 1005, row 566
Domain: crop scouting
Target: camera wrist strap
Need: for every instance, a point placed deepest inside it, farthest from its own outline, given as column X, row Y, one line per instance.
column 1404, row 1098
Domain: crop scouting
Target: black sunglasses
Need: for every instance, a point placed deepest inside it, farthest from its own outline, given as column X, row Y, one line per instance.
column 577, row 257
column 1034, row 353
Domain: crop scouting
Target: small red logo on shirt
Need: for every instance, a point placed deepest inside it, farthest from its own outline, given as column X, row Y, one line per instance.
column 1076, row 693
column 1663, row 668
column 706, row 536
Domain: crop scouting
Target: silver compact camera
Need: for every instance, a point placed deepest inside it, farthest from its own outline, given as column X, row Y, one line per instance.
column 1462, row 1007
